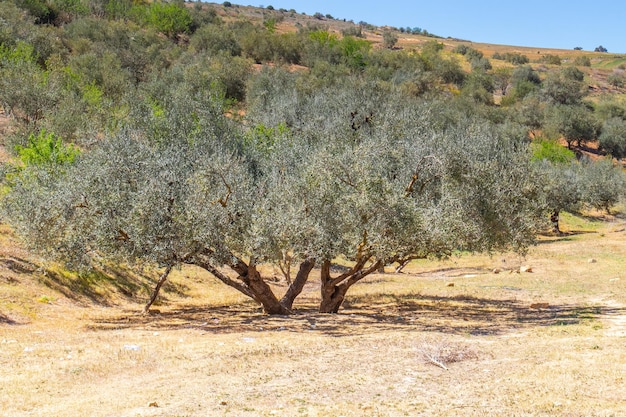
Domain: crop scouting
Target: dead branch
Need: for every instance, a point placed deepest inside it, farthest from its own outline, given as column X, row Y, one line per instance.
column 430, row 358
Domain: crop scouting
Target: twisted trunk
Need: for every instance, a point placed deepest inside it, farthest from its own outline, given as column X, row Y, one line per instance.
column 250, row 282
column 333, row 290
column 263, row 293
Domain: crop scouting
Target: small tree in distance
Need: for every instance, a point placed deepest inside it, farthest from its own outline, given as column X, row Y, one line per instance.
column 613, row 137
column 389, row 39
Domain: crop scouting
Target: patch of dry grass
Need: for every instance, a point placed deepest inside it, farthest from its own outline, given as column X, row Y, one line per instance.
column 550, row 342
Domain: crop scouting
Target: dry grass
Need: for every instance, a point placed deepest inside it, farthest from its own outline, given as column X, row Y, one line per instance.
column 209, row 352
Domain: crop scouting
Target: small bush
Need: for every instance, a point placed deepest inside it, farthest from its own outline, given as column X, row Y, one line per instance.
column 551, row 150
column 616, row 80
column 512, row 57
column 551, row 59
column 355, row 31
column 582, row 61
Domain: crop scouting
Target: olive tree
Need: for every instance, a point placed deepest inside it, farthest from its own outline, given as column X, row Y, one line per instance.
column 576, row 123
column 571, row 185
column 171, row 188
column 563, row 188
column 613, row 137
column 382, row 179
column 353, row 172
column 605, row 184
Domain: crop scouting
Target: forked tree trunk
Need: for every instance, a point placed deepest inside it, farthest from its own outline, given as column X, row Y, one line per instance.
column 250, row 283
column 296, row 286
column 263, row 293
column 333, row 290
column 332, row 298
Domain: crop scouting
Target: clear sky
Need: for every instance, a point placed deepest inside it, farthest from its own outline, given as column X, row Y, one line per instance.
column 546, row 23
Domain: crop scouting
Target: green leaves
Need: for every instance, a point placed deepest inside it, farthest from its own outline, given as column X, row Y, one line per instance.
column 552, row 151
column 46, row 149
column 171, row 19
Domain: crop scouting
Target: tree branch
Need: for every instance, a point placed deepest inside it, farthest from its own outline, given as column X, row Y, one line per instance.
column 410, row 189
column 207, row 266
column 156, row 290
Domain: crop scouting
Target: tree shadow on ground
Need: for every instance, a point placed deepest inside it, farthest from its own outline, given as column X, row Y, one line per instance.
column 452, row 315
column 102, row 286
column 7, row 320
column 446, row 272
column 564, row 236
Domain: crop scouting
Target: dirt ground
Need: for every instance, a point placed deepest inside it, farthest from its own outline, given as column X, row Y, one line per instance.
column 451, row 338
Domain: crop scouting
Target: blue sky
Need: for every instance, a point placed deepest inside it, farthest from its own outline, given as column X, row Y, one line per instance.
column 548, row 23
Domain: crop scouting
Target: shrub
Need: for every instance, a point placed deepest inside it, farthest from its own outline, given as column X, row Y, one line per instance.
column 44, row 149
column 170, row 19
column 616, row 80
column 512, row 57
column 613, row 137
column 214, row 39
column 551, row 59
column 462, row 49
column 389, row 39
column 552, row 151
column 354, row 30
column 609, row 109
column 582, row 61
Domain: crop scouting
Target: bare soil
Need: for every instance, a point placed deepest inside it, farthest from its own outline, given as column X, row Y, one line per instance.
column 451, row 338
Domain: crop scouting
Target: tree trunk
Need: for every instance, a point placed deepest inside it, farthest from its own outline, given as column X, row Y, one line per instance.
column 401, row 265
column 295, row 288
column 333, row 290
column 263, row 293
column 248, row 282
column 554, row 218
column 156, row 290
column 332, row 298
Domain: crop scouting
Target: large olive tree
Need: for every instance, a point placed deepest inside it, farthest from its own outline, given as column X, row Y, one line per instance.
column 382, row 178
column 354, row 172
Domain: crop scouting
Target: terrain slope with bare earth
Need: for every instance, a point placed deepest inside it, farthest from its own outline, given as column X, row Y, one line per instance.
column 470, row 336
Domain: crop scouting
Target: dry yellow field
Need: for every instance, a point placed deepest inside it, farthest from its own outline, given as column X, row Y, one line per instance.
column 449, row 338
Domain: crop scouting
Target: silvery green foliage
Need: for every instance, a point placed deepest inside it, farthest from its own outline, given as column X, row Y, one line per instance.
column 354, row 171
column 563, row 185
column 362, row 145
column 158, row 191
column 604, row 184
